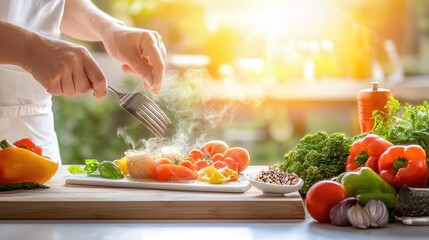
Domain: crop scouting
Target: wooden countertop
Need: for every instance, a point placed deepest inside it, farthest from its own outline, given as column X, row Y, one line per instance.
column 62, row 201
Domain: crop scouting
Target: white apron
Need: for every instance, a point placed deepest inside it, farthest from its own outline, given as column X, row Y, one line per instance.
column 25, row 106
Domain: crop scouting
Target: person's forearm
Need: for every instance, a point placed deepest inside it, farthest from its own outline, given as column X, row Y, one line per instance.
column 14, row 45
column 83, row 20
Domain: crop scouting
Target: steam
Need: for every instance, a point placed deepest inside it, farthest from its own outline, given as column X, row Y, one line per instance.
column 187, row 102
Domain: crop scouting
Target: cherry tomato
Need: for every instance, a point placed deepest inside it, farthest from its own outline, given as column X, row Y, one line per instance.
column 219, row 164
column 200, row 164
column 231, row 163
column 188, row 164
column 218, row 157
column 240, row 155
column 29, row 144
column 212, row 147
column 196, row 154
column 321, row 197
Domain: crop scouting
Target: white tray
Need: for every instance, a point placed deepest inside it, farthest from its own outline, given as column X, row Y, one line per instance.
column 238, row 187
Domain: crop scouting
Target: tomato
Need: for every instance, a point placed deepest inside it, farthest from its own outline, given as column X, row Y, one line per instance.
column 212, row 147
column 29, row 144
column 196, row 154
column 219, row 164
column 200, row 164
column 163, row 161
column 240, row 155
column 231, row 163
column 218, row 157
column 188, row 164
column 321, row 197
column 172, row 172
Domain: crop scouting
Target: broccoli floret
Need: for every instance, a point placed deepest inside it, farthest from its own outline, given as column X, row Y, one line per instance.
column 317, row 157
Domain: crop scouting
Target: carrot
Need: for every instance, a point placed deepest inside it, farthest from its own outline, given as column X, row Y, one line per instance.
column 371, row 99
column 172, row 172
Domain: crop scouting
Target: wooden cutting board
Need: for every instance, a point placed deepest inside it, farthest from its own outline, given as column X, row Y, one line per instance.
column 62, row 201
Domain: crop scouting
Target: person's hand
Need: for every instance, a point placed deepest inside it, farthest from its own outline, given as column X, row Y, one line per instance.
column 140, row 51
column 63, row 68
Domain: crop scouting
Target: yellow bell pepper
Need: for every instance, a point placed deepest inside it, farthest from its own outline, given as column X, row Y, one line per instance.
column 21, row 165
column 122, row 164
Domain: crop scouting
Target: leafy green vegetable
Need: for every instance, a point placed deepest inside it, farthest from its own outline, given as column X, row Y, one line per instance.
column 316, row 157
column 110, row 170
column 93, row 167
column 76, row 169
column 407, row 124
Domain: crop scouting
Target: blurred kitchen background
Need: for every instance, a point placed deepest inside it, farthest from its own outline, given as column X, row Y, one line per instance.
column 255, row 73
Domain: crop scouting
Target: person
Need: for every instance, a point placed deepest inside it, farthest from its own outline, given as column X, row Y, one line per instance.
column 35, row 64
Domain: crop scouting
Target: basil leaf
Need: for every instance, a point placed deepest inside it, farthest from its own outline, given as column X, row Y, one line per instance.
column 91, row 165
column 110, row 170
column 76, row 169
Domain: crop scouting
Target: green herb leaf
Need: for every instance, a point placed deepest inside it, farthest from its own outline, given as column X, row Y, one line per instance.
column 91, row 165
column 76, row 169
column 110, row 170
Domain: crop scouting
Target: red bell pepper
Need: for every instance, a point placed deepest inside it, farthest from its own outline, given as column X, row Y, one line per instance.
column 366, row 152
column 29, row 144
column 404, row 165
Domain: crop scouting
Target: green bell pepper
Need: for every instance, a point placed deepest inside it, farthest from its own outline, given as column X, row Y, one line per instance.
column 367, row 185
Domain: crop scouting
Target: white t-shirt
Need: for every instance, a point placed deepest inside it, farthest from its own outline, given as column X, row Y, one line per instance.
column 25, row 106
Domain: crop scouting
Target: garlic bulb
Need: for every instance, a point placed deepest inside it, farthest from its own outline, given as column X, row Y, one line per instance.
column 378, row 213
column 338, row 213
column 358, row 217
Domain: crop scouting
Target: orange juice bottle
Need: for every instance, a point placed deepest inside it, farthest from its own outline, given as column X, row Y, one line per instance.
column 371, row 99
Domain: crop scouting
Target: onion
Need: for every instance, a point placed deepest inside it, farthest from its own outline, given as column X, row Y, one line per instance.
column 377, row 211
column 338, row 213
column 358, row 217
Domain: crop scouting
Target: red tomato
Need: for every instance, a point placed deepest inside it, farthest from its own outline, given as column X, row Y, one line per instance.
column 200, row 164
column 172, row 172
column 29, row 144
column 219, row 164
column 188, row 164
column 240, row 155
column 231, row 163
column 196, row 154
column 321, row 197
column 218, row 157
column 212, row 147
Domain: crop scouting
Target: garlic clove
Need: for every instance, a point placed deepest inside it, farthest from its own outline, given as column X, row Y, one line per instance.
column 378, row 213
column 358, row 217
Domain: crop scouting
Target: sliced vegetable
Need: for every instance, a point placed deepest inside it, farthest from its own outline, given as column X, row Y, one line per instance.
column 404, row 166
column 172, row 172
column 210, row 148
column 240, row 155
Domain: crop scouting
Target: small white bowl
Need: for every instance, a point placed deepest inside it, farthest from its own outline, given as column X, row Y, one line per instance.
column 271, row 188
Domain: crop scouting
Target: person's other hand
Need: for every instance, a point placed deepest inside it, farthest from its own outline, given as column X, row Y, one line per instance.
column 64, row 68
column 140, row 51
